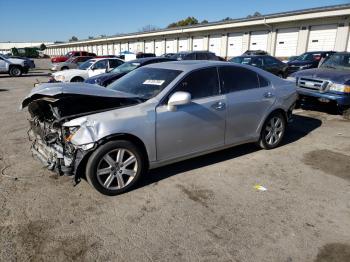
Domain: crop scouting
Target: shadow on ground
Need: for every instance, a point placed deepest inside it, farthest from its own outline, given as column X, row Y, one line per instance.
column 299, row 128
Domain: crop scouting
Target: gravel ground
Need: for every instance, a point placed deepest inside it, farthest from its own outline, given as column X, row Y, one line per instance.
column 204, row 209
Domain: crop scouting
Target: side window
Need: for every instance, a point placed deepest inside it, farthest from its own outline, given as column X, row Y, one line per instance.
column 202, row 56
column 238, row 79
column 113, row 63
column 257, row 62
column 270, row 61
column 191, row 56
column 201, row 83
column 101, row 64
column 262, row 81
column 76, row 54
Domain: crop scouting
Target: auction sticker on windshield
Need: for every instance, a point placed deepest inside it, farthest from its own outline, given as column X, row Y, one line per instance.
column 154, row 82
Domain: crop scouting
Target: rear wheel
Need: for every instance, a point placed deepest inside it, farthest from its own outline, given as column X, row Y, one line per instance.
column 115, row 167
column 77, row 79
column 273, row 131
column 15, row 71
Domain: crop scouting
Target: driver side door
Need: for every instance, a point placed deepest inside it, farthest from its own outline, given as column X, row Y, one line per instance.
column 194, row 127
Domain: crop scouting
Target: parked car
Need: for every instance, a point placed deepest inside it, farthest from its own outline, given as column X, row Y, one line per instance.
column 168, row 55
column 59, row 59
column 290, row 59
column 265, row 62
column 29, row 62
column 88, row 69
column 155, row 115
column 195, row 55
column 13, row 66
column 71, row 63
column 144, row 55
column 118, row 72
column 330, row 83
column 308, row 60
column 255, row 52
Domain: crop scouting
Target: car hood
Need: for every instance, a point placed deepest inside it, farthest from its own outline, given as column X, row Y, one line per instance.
column 76, row 72
column 334, row 75
column 60, row 89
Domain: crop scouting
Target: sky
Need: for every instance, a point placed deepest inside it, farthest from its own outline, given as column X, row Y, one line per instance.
column 42, row 20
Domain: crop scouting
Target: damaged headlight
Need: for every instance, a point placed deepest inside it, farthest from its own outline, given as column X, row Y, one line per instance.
column 69, row 132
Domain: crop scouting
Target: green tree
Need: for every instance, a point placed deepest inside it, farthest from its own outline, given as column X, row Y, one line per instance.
column 185, row 22
column 73, row 39
column 205, row 21
column 42, row 47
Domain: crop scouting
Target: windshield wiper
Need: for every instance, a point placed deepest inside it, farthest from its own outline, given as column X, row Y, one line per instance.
column 328, row 66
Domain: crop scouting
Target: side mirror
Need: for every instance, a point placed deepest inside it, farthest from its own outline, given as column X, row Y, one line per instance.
column 177, row 99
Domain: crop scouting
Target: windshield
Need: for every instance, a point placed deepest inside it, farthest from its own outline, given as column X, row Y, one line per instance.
column 242, row 60
column 306, row 57
column 69, row 54
column 145, row 83
column 126, row 67
column 341, row 61
column 86, row 65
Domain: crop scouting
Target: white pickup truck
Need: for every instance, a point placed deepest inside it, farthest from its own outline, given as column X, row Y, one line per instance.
column 13, row 66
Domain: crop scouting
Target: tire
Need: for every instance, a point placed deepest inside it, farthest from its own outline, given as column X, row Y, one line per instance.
column 64, row 68
column 77, row 79
column 281, row 75
column 115, row 177
column 15, row 71
column 345, row 112
column 273, row 131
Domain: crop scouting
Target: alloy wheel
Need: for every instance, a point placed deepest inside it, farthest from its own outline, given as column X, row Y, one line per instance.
column 274, row 131
column 117, row 169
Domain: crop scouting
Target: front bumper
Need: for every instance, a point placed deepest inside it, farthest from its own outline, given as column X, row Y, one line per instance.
column 339, row 99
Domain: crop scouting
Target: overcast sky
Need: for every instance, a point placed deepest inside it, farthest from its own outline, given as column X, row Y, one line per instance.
column 39, row 20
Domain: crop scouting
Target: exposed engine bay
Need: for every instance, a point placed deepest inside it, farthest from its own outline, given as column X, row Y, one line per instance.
column 51, row 140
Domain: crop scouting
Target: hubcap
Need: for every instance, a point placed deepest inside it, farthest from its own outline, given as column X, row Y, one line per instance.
column 274, row 131
column 16, row 71
column 117, row 169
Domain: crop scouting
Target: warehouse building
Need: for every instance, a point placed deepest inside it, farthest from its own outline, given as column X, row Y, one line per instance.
column 282, row 35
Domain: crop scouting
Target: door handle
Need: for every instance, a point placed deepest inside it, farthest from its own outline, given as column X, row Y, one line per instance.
column 219, row 106
column 268, row 95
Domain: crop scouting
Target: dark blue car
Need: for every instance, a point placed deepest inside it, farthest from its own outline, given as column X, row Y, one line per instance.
column 330, row 83
column 118, row 72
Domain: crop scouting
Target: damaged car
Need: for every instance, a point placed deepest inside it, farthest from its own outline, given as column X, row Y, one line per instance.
column 151, row 117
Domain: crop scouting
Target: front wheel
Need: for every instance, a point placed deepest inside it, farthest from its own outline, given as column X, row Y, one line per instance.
column 77, row 79
column 115, row 167
column 15, row 71
column 273, row 131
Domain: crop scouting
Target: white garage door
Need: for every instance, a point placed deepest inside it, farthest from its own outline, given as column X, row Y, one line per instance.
column 99, row 50
column 348, row 44
column 105, row 50
column 123, row 47
column 258, row 40
column 139, row 47
column 149, row 47
column 183, row 44
column 94, row 49
column 322, row 38
column 286, row 42
column 116, row 49
column 132, row 47
column 215, row 44
column 159, row 47
column 170, row 46
column 110, row 49
column 234, row 44
column 198, row 44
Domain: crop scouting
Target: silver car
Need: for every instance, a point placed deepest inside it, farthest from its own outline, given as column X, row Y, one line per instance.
column 72, row 63
column 153, row 116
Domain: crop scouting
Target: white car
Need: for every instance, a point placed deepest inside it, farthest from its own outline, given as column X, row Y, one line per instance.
column 88, row 69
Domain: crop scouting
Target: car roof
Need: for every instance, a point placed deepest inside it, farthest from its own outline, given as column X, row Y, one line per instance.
column 256, row 56
column 187, row 65
column 188, row 52
column 104, row 58
column 147, row 59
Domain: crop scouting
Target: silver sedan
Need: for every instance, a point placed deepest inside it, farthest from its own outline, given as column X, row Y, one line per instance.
column 153, row 116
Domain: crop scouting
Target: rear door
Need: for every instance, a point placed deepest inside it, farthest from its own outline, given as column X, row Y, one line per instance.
column 2, row 65
column 249, row 96
column 194, row 127
column 98, row 68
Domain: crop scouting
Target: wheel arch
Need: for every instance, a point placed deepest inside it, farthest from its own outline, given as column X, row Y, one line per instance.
column 275, row 110
column 80, row 169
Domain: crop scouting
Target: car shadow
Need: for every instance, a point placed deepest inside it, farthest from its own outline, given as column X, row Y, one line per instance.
column 24, row 76
column 320, row 107
column 299, row 128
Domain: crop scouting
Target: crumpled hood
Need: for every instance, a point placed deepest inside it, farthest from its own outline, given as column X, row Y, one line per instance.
column 55, row 89
column 334, row 75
